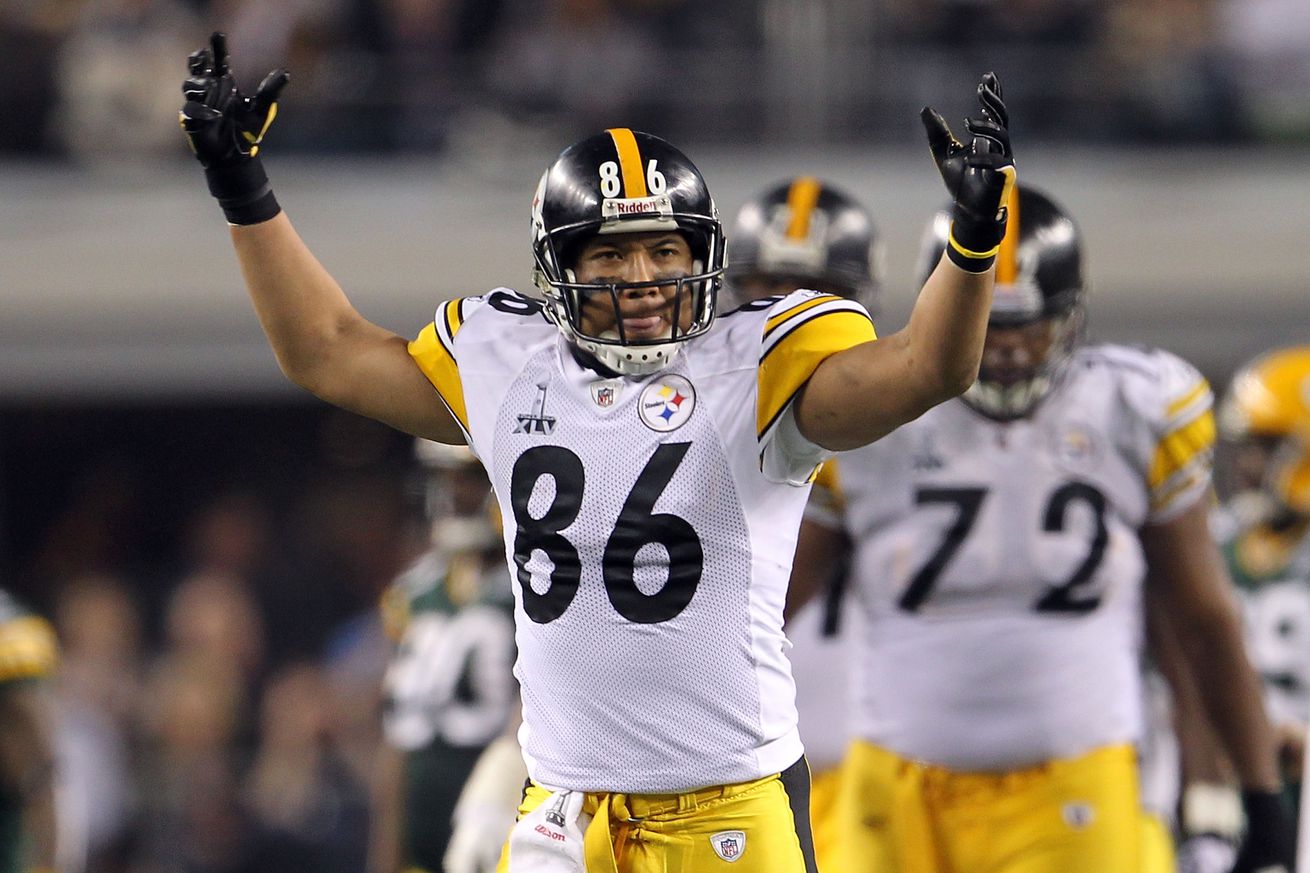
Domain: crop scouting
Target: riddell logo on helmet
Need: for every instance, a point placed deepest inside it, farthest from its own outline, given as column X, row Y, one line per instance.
column 619, row 207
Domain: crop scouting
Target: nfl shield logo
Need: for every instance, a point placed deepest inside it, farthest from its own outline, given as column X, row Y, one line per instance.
column 605, row 392
column 729, row 845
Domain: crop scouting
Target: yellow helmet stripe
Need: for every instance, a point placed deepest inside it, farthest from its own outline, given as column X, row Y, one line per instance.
column 1007, row 259
column 802, row 197
column 634, row 180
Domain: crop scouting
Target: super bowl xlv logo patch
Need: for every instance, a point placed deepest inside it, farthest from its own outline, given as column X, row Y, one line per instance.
column 555, row 815
column 729, row 845
column 537, row 421
column 666, row 403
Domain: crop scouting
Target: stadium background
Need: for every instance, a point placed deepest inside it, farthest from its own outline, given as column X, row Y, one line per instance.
column 211, row 542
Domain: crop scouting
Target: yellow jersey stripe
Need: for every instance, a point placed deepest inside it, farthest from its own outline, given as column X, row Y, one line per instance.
column 1201, row 387
column 454, row 316
column 802, row 197
column 1167, row 496
column 27, row 649
column 1007, row 258
column 787, row 366
column 634, row 180
column 438, row 364
column 827, row 476
column 787, row 315
column 1179, row 448
column 826, row 503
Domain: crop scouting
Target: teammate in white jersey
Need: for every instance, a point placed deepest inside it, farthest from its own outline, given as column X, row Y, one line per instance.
column 807, row 233
column 1001, row 545
column 651, row 463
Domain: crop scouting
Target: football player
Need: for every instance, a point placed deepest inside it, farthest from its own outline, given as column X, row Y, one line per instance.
column 1264, row 531
column 28, row 655
column 449, row 689
column 807, row 233
column 651, row 462
column 1002, row 543
column 804, row 233
column 1264, row 425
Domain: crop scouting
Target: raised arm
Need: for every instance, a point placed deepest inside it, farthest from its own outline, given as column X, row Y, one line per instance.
column 936, row 356
column 322, row 343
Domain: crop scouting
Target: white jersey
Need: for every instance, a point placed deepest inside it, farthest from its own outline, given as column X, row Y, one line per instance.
column 1000, row 568
column 823, row 634
column 650, row 525
column 822, row 656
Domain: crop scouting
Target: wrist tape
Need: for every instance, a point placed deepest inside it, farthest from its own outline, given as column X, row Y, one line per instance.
column 968, row 259
column 242, row 192
column 1212, row 809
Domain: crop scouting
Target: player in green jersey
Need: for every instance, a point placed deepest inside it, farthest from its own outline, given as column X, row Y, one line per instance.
column 27, row 806
column 449, row 689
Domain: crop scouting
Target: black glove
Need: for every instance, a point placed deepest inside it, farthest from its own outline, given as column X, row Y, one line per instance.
column 1269, row 844
column 978, row 176
column 224, row 128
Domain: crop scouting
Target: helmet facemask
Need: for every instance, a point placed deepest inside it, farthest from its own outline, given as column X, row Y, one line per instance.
column 690, row 298
column 457, row 501
column 1039, row 287
column 625, row 182
column 1013, row 395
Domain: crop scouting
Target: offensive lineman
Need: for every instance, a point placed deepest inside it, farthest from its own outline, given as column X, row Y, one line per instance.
column 651, row 463
column 1001, row 544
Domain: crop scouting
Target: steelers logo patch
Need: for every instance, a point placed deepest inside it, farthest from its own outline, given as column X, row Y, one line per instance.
column 666, row 403
column 1076, row 448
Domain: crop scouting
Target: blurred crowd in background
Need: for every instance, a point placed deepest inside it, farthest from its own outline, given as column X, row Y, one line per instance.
column 423, row 75
column 214, row 579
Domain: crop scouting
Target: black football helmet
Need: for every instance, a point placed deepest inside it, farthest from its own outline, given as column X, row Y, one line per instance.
column 1039, row 276
column 625, row 181
column 807, row 234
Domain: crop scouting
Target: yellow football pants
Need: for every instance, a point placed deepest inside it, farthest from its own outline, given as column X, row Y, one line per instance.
column 1080, row 815
column 1157, row 846
column 690, row 833
column 825, row 787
